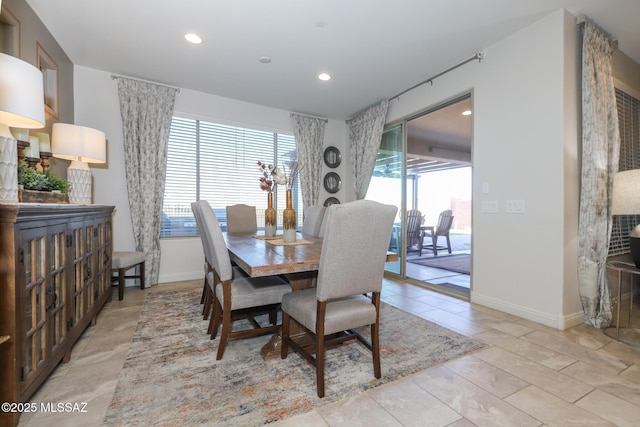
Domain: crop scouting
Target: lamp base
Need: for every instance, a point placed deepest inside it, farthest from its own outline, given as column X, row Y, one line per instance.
column 79, row 177
column 8, row 170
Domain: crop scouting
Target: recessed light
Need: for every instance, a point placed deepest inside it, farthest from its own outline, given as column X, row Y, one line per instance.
column 324, row 76
column 193, row 38
column 466, row 113
column 264, row 59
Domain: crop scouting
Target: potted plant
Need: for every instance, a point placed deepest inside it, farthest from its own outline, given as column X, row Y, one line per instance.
column 40, row 187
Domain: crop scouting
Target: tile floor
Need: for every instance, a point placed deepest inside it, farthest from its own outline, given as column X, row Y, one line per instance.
column 529, row 375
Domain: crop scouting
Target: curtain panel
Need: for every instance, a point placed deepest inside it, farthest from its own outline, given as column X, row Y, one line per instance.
column 600, row 155
column 146, row 110
column 309, row 136
column 365, row 135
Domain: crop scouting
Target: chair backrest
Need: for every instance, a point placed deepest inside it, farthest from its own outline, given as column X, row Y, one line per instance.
column 354, row 249
column 445, row 221
column 241, row 219
column 313, row 220
column 200, row 225
column 414, row 221
column 218, row 255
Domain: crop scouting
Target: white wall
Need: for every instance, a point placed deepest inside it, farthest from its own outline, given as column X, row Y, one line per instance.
column 524, row 145
column 97, row 106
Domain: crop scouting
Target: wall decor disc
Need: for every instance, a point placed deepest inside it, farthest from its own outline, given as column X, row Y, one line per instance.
column 332, row 157
column 332, row 182
column 331, row 201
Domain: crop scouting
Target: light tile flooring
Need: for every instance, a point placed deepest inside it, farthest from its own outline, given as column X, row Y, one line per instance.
column 529, row 374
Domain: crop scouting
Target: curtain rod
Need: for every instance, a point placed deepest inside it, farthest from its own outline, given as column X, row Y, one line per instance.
column 479, row 56
column 115, row 77
column 307, row 115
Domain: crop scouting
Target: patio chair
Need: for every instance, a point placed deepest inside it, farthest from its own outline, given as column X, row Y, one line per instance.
column 351, row 266
column 431, row 233
column 236, row 297
column 414, row 233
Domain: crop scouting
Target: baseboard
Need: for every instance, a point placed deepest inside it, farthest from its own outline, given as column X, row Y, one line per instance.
column 543, row 318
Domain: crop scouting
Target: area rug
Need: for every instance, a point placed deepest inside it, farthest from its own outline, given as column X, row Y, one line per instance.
column 456, row 263
column 171, row 377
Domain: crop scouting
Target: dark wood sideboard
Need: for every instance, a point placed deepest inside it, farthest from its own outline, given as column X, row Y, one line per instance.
column 55, row 275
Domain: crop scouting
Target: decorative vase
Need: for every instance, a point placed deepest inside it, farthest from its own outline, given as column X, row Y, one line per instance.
column 270, row 222
column 289, row 221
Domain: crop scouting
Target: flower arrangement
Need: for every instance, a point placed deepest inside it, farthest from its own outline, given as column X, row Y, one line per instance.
column 266, row 183
column 272, row 176
column 294, row 169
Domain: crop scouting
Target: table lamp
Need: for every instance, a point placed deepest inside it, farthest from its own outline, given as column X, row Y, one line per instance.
column 22, row 106
column 81, row 145
column 625, row 200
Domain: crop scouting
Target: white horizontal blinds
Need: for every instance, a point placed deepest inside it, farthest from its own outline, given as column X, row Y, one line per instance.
column 217, row 163
column 181, row 183
column 629, row 124
column 229, row 172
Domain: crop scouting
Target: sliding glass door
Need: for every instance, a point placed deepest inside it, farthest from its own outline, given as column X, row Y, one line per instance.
column 386, row 186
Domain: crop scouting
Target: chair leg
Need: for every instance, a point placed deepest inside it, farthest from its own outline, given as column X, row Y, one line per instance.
column 226, row 327
column 121, row 284
column 142, row 285
column 448, row 243
column 204, row 291
column 216, row 315
column 321, row 309
column 434, row 239
column 375, row 349
column 208, row 303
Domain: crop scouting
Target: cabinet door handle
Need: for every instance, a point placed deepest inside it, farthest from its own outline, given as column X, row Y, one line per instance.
column 87, row 273
column 54, row 298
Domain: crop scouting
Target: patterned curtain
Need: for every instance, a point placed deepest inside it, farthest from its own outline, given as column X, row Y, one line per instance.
column 365, row 135
column 309, row 135
column 600, row 154
column 146, row 110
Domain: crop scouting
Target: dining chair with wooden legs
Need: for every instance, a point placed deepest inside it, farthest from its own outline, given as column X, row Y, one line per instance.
column 236, row 297
column 354, row 252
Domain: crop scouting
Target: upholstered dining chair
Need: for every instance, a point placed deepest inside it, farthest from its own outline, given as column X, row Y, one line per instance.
column 442, row 228
column 313, row 220
column 240, row 297
column 352, row 261
column 241, row 219
column 206, row 298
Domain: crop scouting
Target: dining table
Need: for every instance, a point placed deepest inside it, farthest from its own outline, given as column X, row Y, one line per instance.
column 298, row 262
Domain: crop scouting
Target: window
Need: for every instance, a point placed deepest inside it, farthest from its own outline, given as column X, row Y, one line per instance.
column 218, row 163
column 629, row 124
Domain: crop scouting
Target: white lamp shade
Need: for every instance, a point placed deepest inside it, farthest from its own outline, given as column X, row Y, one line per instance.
column 21, row 94
column 626, row 193
column 72, row 142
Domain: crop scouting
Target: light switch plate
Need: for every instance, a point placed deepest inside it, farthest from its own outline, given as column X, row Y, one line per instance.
column 515, row 206
column 490, row 206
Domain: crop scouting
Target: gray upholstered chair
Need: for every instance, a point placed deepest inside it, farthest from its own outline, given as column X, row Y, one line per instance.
column 238, row 295
column 241, row 219
column 442, row 228
column 313, row 220
column 340, row 302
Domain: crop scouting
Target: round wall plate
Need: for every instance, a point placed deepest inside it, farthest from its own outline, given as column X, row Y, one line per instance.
column 332, row 182
column 332, row 157
column 331, row 201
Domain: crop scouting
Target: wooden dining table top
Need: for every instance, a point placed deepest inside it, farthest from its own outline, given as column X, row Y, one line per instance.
column 259, row 258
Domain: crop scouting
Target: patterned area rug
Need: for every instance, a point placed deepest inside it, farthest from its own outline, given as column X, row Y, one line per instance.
column 171, row 377
column 456, row 263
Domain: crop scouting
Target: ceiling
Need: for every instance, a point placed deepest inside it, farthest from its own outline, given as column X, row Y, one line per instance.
column 373, row 49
